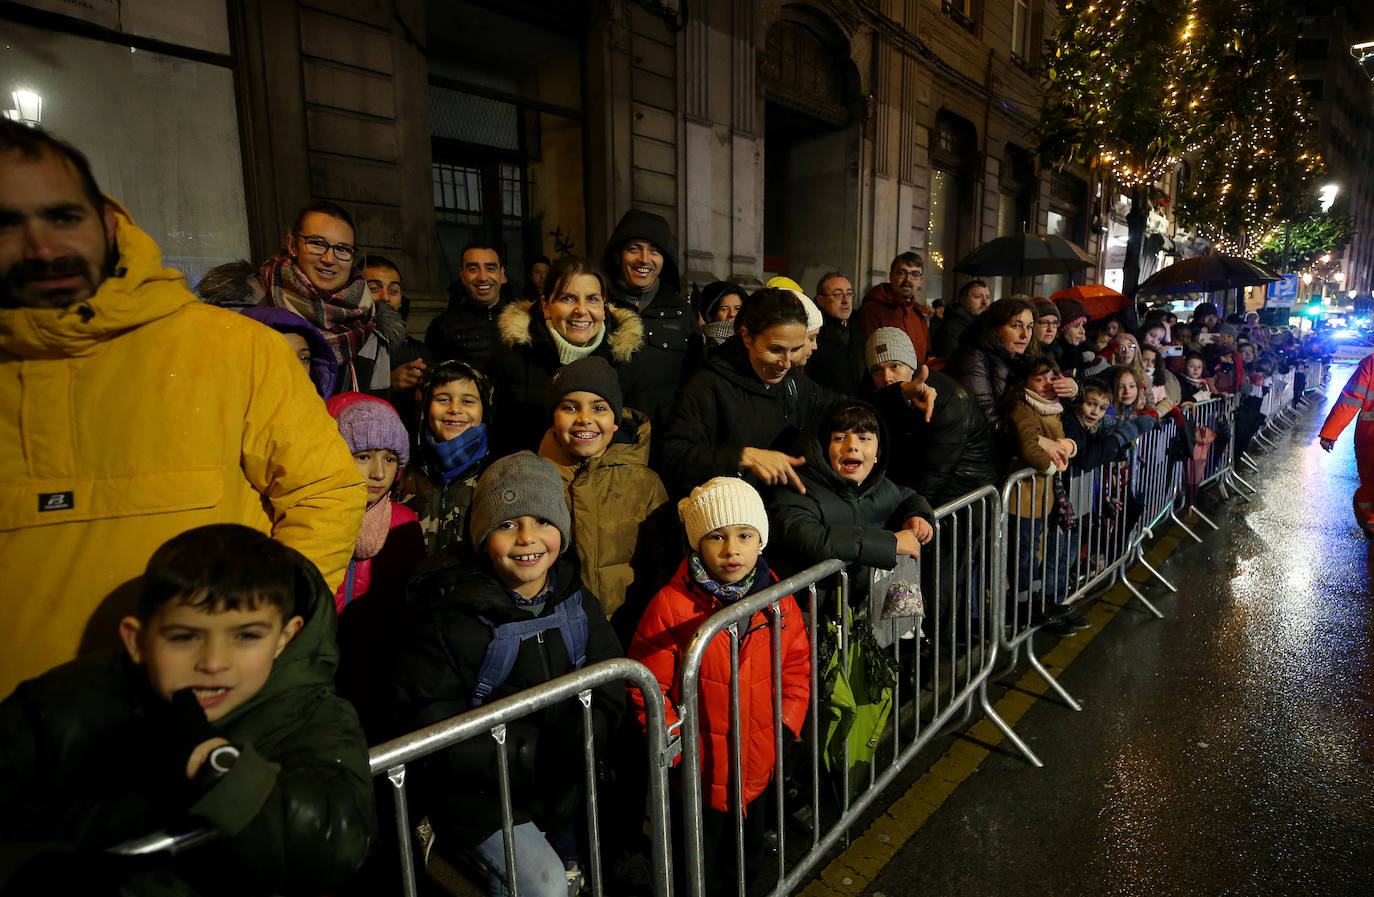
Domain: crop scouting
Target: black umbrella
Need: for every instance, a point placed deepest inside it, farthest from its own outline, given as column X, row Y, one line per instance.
column 1023, row 255
column 1205, row 273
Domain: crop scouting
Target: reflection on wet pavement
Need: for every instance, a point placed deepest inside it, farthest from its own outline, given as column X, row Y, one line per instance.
column 1225, row 750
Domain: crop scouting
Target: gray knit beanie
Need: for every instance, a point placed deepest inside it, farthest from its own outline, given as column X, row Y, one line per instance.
column 592, row 374
column 890, row 344
column 515, row 486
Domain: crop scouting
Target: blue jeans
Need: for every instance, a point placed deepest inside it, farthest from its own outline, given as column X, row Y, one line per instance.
column 538, row 868
column 1039, row 540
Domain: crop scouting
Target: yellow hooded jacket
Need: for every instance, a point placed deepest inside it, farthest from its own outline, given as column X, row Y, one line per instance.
column 135, row 415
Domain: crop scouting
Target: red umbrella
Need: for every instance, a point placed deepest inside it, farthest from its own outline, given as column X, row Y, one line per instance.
column 1099, row 300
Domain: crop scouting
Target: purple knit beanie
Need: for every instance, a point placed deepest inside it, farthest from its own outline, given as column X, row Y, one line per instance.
column 367, row 422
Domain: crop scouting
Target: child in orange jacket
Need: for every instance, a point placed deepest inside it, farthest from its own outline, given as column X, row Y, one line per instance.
column 727, row 529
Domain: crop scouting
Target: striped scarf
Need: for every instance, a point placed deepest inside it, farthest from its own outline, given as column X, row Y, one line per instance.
column 344, row 318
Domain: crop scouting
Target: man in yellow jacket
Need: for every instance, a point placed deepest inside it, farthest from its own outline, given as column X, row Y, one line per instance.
column 130, row 412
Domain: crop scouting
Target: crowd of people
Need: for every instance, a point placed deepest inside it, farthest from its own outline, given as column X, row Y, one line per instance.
column 247, row 534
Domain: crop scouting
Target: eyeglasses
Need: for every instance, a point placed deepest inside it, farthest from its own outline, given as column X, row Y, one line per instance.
column 908, row 274
column 319, row 246
column 840, row 294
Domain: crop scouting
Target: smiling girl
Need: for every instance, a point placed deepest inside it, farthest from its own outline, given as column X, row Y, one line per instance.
column 450, row 447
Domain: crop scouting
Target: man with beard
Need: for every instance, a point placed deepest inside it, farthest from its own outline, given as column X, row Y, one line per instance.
column 133, row 412
column 893, row 304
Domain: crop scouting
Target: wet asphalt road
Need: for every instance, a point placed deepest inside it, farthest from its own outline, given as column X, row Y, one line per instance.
column 1225, row 750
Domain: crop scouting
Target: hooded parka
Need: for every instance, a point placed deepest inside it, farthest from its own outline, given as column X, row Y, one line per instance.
column 616, row 502
column 838, row 518
column 295, row 812
column 133, row 416
column 521, row 373
column 672, row 336
column 661, row 642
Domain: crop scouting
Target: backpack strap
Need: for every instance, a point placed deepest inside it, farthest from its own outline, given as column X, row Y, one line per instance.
column 506, row 638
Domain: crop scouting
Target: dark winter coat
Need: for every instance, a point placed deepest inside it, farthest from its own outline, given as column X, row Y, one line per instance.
column 624, row 529
column 443, row 645
column 984, row 373
column 1103, row 445
column 838, row 362
column 295, row 813
column 673, row 343
column 442, row 510
column 726, row 408
column 838, row 518
column 946, row 342
column 467, row 331
column 522, row 371
column 948, row 457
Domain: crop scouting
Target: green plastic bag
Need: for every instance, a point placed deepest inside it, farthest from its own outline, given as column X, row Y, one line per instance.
column 856, row 698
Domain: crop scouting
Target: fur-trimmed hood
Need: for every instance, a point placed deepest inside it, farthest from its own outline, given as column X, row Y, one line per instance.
column 624, row 329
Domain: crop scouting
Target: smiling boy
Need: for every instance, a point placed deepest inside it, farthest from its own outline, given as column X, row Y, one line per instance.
column 221, row 708
column 850, row 510
column 512, row 615
column 622, row 522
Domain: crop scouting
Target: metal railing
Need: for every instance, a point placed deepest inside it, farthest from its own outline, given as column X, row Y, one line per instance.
column 391, row 759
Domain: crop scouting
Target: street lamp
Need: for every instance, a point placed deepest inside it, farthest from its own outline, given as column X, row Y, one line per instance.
column 1328, row 196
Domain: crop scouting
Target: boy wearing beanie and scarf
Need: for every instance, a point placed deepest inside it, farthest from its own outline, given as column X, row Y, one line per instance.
column 601, row 450
column 727, row 529
column 456, row 612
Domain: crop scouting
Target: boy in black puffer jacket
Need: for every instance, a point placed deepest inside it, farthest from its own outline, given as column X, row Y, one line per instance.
column 458, row 610
column 221, row 714
column 850, row 510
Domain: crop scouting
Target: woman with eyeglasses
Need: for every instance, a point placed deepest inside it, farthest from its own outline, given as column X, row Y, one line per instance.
column 315, row 278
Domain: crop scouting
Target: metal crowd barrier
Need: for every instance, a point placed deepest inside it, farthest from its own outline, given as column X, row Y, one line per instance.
column 391, row 758
column 943, row 672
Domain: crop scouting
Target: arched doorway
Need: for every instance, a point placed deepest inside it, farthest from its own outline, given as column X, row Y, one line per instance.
column 810, row 192
column 954, row 166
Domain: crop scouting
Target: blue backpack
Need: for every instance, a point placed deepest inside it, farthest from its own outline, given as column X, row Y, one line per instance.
column 569, row 619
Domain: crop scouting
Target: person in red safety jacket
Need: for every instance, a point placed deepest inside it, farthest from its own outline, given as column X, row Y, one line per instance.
column 1357, row 401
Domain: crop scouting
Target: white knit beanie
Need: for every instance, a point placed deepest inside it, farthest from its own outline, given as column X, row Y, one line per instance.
column 814, row 319
column 722, row 501
column 890, row 344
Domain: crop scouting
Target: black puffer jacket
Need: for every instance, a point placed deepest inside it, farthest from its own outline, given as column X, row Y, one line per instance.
column 467, row 331
column 672, row 336
column 521, row 373
column 984, row 373
column 838, row 362
column 951, row 455
column 837, row 518
column 945, row 343
column 295, row 812
column 443, row 648
column 725, row 408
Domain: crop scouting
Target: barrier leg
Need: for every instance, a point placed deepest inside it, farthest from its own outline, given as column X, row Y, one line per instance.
column 1051, row 681
column 1183, row 526
column 1237, row 478
column 1204, row 518
column 1130, row 586
column 397, row 777
column 1140, row 558
column 1006, row 730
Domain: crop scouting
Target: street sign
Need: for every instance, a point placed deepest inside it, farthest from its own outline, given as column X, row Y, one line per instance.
column 1280, row 303
column 1287, row 288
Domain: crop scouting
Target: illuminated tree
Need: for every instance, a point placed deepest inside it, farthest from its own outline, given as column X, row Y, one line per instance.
column 1125, row 94
column 1258, row 163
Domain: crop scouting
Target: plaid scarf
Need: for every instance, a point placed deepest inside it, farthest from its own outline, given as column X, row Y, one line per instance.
column 344, row 318
column 726, row 592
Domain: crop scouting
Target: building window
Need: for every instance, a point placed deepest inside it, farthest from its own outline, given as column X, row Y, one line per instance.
column 1020, row 31
column 457, row 191
column 960, row 11
column 161, row 132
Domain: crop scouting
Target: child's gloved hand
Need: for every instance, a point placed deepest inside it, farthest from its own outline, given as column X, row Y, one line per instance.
column 163, row 737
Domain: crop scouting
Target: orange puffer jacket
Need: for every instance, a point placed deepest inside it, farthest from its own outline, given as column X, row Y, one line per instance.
column 665, row 633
